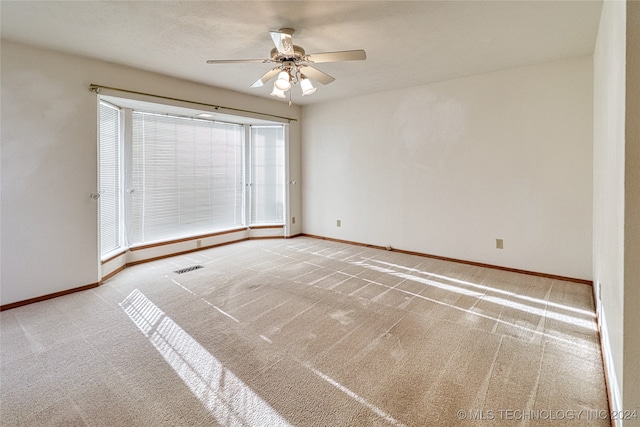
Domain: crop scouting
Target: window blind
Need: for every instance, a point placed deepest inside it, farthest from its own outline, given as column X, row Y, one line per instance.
column 187, row 177
column 110, row 201
column 267, row 174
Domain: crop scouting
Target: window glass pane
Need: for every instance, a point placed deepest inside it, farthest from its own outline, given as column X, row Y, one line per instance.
column 109, row 203
column 267, row 174
column 187, row 177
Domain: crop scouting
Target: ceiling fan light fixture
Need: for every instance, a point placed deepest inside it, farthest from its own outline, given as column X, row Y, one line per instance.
column 283, row 82
column 277, row 92
column 306, row 86
column 290, row 61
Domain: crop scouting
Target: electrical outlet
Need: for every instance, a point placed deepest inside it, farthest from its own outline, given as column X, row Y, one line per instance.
column 499, row 244
column 198, row 243
column 293, row 220
column 338, row 223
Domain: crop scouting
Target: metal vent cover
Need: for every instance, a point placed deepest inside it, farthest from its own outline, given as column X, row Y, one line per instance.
column 188, row 269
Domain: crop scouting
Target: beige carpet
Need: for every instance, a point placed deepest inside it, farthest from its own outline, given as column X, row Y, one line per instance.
column 306, row 332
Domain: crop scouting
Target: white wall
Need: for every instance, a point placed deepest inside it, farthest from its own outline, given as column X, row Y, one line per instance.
column 49, row 157
column 447, row 168
column 608, row 183
column 631, row 390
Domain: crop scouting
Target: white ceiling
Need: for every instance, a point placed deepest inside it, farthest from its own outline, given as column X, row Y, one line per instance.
column 407, row 43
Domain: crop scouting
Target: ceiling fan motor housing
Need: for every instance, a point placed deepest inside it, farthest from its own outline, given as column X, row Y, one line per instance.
column 298, row 55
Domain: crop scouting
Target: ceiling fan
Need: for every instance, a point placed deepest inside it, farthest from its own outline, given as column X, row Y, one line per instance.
column 293, row 64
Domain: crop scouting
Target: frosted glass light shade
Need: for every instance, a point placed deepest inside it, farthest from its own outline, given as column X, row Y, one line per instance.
column 306, row 86
column 283, row 82
column 277, row 92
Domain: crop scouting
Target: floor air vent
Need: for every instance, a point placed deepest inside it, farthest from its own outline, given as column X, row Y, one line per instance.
column 188, row 269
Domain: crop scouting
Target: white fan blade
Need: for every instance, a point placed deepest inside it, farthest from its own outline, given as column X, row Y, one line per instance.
column 283, row 42
column 265, row 78
column 235, row 61
column 345, row 55
column 316, row 75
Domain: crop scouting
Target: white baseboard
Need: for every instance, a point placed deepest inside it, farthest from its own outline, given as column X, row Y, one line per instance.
column 613, row 387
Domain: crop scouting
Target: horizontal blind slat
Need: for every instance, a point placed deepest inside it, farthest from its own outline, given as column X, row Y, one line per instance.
column 267, row 174
column 185, row 173
column 110, row 201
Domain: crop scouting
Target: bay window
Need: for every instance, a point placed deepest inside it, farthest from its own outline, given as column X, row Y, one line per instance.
column 184, row 176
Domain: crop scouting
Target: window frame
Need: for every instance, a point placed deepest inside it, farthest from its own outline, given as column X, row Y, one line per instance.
column 121, row 238
column 129, row 106
column 249, row 176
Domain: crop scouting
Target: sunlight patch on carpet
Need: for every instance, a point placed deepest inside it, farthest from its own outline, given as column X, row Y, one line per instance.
column 529, row 305
column 379, row 412
column 221, row 311
column 220, row 391
column 573, row 341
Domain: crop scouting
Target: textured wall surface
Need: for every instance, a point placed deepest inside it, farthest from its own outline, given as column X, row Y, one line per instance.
column 450, row 167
